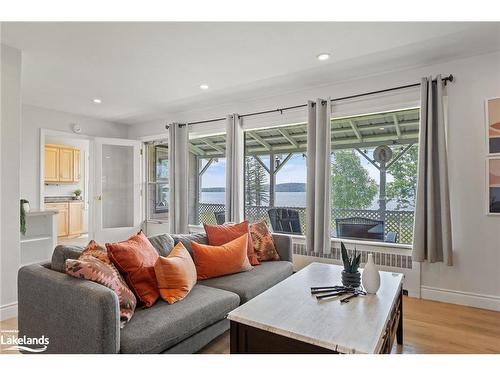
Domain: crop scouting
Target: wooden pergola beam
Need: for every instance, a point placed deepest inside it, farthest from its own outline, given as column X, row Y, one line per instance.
column 259, row 139
column 355, row 130
column 288, row 157
column 196, row 150
column 213, row 145
column 396, row 123
column 288, row 137
column 259, row 160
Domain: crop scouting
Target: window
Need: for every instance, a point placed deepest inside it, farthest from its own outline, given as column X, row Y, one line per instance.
column 374, row 174
column 207, row 179
column 157, row 181
column 275, row 177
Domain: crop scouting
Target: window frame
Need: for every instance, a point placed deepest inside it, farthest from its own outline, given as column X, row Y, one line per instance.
column 148, row 182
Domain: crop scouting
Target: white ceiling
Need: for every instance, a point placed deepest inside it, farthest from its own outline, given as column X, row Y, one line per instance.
column 144, row 70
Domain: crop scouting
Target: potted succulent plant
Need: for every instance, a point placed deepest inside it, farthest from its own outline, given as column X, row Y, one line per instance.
column 350, row 275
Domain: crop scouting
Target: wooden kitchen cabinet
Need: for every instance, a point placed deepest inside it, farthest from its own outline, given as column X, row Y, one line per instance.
column 51, row 164
column 76, row 165
column 75, row 225
column 69, row 219
column 62, row 217
column 62, row 164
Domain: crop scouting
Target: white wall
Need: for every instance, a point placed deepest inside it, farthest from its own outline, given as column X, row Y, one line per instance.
column 475, row 278
column 35, row 118
column 52, row 190
column 10, row 132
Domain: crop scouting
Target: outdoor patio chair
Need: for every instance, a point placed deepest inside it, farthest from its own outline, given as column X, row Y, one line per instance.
column 285, row 220
column 360, row 228
column 220, row 217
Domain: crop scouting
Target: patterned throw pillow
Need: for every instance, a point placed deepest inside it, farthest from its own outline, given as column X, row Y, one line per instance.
column 263, row 242
column 95, row 265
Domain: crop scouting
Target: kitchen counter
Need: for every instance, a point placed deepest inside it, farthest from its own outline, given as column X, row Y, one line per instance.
column 61, row 199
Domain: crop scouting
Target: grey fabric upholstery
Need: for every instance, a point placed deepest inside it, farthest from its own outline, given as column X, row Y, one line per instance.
column 162, row 326
column 249, row 284
column 284, row 246
column 199, row 340
column 163, row 243
column 78, row 316
column 61, row 253
column 187, row 238
column 81, row 316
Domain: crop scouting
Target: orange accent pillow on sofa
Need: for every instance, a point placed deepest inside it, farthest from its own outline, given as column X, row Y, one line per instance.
column 221, row 234
column 175, row 274
column 135, row 259
column 213, row 261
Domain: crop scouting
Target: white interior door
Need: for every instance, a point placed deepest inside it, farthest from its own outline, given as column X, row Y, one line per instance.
column 117, row 209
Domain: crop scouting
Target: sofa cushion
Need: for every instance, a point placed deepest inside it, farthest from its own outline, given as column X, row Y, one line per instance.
column 61, row 253
column 263, row 242
column 162, row 326
column 249, row 284
column 135, row 258
column 187, row 238
column 175, row 274
column 213, row 261
column 218, row 235
column 163, row 243
column 94, row 265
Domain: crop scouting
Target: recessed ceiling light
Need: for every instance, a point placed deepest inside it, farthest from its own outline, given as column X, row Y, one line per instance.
column 204, row 86
column 97, row 101
column 323, row 56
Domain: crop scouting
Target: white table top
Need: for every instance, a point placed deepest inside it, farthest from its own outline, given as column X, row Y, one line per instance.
column 289, row 309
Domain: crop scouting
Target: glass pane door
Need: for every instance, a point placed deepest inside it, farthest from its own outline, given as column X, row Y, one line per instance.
column 117, row 182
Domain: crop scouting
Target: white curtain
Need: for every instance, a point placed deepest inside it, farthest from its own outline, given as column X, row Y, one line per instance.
column 178, row 177
column 234, row 169
column 318, row 203
column 432, row 230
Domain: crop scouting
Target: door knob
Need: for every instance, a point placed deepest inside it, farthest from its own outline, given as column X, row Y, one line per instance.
column 99, row 197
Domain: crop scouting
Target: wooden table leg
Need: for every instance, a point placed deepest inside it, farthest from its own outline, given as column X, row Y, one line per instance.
column 399, row 332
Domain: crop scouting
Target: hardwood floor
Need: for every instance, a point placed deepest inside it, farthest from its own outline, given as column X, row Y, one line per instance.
column 429, row 327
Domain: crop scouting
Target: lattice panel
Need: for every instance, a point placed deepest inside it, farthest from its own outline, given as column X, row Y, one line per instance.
column 400, row 222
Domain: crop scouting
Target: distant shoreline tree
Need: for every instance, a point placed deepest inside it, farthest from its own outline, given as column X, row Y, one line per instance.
column 351, row 185
column 404, row 187
column 255, row 183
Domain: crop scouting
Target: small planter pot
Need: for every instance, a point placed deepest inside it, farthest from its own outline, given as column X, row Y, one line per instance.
column 351, row 279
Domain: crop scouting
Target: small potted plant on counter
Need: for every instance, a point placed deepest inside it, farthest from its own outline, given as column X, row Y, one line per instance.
column 78, row 194
column 350, row 275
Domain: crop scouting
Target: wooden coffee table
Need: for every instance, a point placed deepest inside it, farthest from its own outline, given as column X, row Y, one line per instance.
column 288, row 319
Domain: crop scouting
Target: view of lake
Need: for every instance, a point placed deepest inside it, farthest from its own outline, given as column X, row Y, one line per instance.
column 289, row 199
column 284, row 199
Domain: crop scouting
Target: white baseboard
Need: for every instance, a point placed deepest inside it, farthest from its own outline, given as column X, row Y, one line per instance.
column 8, row 311
column 482, row 301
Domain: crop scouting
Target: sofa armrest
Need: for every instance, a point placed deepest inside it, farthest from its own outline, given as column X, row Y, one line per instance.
column 284, row 246
column 77, row 316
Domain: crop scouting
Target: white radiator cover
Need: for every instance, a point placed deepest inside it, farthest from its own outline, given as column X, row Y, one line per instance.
column 389, row 259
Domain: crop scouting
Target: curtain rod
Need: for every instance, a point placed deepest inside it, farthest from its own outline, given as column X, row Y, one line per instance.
column 445, row 80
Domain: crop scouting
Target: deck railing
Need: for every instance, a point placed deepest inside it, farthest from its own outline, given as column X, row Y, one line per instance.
column 400, row 222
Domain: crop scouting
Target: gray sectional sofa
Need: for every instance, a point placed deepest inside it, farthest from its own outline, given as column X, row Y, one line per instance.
column 80, row 316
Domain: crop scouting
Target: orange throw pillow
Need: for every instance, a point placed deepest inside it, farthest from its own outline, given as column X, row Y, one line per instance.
column 175, row 274
column 221, row 234
column 213, row 261
column 135, row 259
column 263, row 242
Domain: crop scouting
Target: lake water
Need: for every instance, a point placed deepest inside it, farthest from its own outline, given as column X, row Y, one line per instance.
column 289, row 199
column 283, row 199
